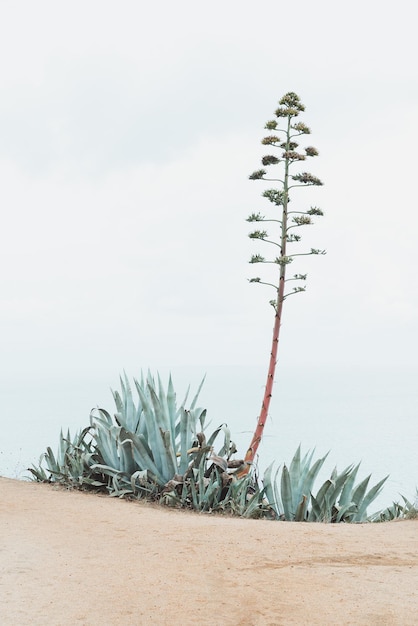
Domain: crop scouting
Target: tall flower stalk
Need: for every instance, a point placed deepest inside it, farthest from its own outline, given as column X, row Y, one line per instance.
column 285, row 222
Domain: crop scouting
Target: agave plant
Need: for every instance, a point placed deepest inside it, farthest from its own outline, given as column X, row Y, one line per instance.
column 407, row 510
column 290, row 500
column 211, row 483
column 337, row 500
column 153, row 448
column 150, row 438
column 72, row 465
column 340, row 500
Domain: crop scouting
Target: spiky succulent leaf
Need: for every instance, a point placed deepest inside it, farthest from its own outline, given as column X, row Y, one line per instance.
column 368, row 499
column 185, row 439
column 360, row 490
column 346, row 494
column 286, row 493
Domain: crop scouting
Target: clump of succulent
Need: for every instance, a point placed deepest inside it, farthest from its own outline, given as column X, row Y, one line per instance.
column 72, row 465
column 398, row 510
column 338, row 499
column 151, row 448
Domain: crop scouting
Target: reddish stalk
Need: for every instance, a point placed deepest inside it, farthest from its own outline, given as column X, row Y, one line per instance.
column 290, row 109
column 261, row 421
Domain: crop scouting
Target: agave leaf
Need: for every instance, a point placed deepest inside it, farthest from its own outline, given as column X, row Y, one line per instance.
column 63, row 445
column 315, row 512
column 185, row 498
column 39, row 472
column 271, row 490
column 368, row 499
column 237, row 493
column 286, row 492
column 144, row 458
column 334, row 474
column 103, row 417
column 408, row 504
column 305, row 466
column 140, row 481
column 93, row 482
column 301, row 509
column 307, row 478
column 346, row 513
column 154, row 439
column 167, row 432
column 194, row 495
column 107, row 469
column 51, row 462
column 329, row 503
column 167, row 451
column 197, row 415
column 338, row 481
column 162, row 398
column 243, row 491
column 107, row 437
column 81, row 438
column 171, row 401
column 201, row 477
column 130, row 416
column 185, row 439
column 149, row 380
column 251, row 501
column 186, row 396
column 253, row 504
column 209, row 494
column 161, row 414
column 118, row 401
column 306, row 463
column 168, row 402
column 193, row 404
column 224, row 451
column 120, row 493
column 320, row 496
column 360, row 490
column 214, row 435
column 312, row 474
column 202, row 417
column 394, row 511
column 294, row 476
column 126, row 454
column 170, row 460
column 346, row 494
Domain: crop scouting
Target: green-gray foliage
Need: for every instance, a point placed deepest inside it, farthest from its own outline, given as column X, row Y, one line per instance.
column 73, row 463
column 155, row 449
column 406, row 510
column 152, row 448
column 338, row 499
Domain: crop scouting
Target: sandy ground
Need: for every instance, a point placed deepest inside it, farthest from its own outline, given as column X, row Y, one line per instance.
column 75, row 558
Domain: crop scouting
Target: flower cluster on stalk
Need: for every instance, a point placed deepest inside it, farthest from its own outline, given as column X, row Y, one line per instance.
column 289, row 108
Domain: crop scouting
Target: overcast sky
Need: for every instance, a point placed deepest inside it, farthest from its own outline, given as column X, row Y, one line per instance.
column 127, row 133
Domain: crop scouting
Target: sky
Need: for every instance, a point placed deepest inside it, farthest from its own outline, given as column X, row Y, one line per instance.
column 127, row 134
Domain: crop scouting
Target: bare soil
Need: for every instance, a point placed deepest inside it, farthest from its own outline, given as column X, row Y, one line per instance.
column 69, row 558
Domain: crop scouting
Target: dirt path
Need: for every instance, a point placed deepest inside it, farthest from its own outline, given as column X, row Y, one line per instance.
column 69, row 558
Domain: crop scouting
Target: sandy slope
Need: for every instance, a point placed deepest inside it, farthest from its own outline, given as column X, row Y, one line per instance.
column 76, row 558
